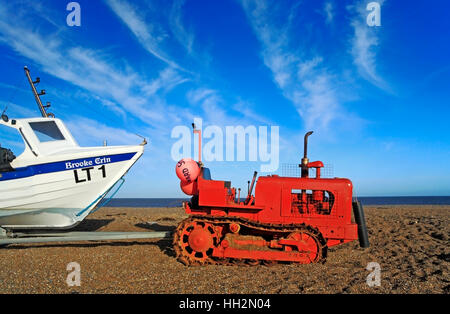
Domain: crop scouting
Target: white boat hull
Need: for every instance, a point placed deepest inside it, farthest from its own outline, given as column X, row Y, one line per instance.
column 60, row 194
column 54, row 183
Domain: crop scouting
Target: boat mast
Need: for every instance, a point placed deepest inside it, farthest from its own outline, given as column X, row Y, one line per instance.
column 36, row 94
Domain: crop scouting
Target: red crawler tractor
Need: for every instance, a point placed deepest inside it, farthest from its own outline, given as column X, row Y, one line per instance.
column 289, row 219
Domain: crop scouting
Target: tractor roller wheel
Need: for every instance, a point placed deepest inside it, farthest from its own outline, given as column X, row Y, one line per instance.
column 310, row 244
column 269, row 263
column 240, row 262
column 194, row 242
column 253, row 262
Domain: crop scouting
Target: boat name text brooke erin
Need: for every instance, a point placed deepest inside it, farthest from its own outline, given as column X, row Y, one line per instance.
column 87, row 163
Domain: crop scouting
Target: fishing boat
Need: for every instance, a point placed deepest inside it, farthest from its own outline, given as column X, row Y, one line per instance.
column 54, row 183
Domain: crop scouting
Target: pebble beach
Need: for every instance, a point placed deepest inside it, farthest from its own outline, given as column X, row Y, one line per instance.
column 409, row 243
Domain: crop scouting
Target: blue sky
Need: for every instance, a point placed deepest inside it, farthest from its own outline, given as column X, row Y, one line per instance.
column 376, row 97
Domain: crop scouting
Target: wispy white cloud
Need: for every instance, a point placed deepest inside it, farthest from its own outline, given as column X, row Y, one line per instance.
column 364, row 45
column 216, row 110
column 184, row 37
column 9, row 86
column 197, row 95
column 149, row 35
column 93, row 132
column 112, row 106
column 306, row 81
column 122, row 90
column 328, row 9
column 160, row 28
column 117, row 86
column 210, row 104
column 16, row 110
column 248, row 114
column 167, row 80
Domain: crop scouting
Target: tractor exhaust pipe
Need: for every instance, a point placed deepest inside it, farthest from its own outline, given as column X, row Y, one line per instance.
column 305, row 160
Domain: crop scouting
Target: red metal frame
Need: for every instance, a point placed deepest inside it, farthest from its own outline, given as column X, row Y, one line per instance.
column 287, row 219
column 273, row 204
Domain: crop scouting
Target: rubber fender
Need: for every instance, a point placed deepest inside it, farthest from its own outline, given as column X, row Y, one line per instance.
column 360, row 220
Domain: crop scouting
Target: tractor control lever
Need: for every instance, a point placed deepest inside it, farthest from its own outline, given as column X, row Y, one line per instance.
column 251, row 188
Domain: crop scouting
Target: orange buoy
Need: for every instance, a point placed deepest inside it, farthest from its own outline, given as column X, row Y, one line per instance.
column 189, row 188
column 187, row 170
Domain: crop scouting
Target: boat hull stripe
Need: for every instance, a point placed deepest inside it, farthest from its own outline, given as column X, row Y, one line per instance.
column 24, row 172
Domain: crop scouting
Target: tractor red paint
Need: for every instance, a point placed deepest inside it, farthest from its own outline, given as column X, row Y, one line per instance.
column 288, row 219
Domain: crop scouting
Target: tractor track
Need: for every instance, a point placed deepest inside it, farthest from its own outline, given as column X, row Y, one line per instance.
column 268, row 228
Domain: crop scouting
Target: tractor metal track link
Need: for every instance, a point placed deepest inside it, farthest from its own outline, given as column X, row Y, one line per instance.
column 267, row 228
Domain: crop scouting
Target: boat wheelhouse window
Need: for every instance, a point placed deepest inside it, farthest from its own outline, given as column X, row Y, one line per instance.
column 47, row 131
column 11, row 139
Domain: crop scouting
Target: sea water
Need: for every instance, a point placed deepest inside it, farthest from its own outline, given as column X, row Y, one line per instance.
column 376, row 200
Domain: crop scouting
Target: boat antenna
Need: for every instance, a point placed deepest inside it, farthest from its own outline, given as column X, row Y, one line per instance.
column 4, row 116
column 4, row 110
column 144, row 142
column 37, row 95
